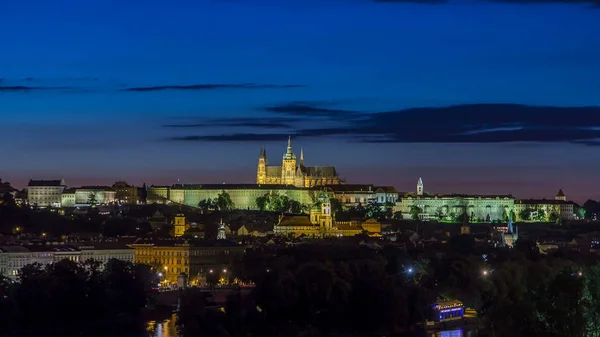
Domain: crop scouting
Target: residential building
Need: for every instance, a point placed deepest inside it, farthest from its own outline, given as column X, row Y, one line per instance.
column 125, row 193
column 104, row 251
column 12, row 260
column 68, row 197
column 44, row 193
column 192, row 257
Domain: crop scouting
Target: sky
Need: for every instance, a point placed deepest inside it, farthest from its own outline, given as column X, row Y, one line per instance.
column 474, row 96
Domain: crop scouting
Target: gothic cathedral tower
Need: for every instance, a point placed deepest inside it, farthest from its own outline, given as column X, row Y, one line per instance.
column 288, row 165
column 261, row 173
column 420, row 186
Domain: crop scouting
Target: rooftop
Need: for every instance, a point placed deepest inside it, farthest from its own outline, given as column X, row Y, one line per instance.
column 53, row 183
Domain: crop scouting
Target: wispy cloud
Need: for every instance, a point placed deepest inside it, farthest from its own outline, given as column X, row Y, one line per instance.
column 213, row 87
column 308, row 109
column 238, row 122
column 474, row 123
column 413, row 1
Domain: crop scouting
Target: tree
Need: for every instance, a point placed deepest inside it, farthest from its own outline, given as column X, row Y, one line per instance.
column 92, row 199
column 553, row 217
column 224, row 202
column 439, row 213
column 592, row 208
column 525, row 214
column 206, row 204
column 580, row 211
column 262, row 202
column 541, row 215
column 415, row 212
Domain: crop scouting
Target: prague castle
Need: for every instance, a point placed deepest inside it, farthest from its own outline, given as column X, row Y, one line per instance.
column 293, row 173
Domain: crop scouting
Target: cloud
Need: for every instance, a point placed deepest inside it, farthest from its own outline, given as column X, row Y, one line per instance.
column 239, row 122
column 530, row 2
column 25, row 88
column 413, row 1
column 307, row 109
column 237, row 137
column 213, row 87
column 469, row 123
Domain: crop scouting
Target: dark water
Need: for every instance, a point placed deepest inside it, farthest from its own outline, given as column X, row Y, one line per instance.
column 167, row 328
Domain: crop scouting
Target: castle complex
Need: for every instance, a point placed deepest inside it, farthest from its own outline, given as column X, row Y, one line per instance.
column 293, row 173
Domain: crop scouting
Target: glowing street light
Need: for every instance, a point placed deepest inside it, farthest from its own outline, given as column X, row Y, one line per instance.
column 210, row 271
column 225, row 270
column 485, row 272
column 160, row 274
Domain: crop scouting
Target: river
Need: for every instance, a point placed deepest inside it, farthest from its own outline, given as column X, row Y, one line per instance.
column 168, row 328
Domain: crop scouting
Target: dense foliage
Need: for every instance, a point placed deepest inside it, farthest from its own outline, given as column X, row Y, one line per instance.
column 71, row 299
column 335, row 290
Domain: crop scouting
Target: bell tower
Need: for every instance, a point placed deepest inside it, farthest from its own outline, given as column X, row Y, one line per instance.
column 288, row 165
column 261, row 172
column 420, row 186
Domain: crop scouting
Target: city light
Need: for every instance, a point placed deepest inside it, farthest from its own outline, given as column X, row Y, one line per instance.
column 210, row 271
column 160, row 274
column 224, row 270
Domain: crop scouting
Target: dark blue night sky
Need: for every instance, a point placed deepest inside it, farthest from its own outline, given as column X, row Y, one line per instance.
column 474, row 96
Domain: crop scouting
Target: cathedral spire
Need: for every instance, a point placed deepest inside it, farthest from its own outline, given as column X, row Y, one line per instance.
column 289, row 146
column 263, row 153
column 301, row 156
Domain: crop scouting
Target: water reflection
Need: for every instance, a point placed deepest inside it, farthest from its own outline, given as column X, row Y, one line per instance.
column 454, row 333
column 166, row 328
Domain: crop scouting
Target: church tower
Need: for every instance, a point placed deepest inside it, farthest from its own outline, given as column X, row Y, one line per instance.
column 179, row 226
column 326, row 218
column 420, row 186
column 560, row 196
column 261, row 172
column 301, row 156
column 288, row 165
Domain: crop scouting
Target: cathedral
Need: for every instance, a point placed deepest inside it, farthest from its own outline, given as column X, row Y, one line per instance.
column 294, row 173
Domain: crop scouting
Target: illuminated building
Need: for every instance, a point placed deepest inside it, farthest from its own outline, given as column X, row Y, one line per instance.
column 320, row 223
column 104, row 251
column 157, row 194
column 352, row 195
column 448, row 311
column 179, row 225
column 294, row 173
column 544, row 209
column 125, row 193
column 44, row 193
column 479, row 208
column 99, row 195
column 67, row 198
column 170, row 258
column 243, row 196
column 12, row 260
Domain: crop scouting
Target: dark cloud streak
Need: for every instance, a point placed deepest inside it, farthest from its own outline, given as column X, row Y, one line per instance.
column 472, row 123
column 212, row 87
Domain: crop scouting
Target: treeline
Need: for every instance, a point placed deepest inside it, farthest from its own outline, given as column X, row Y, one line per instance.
column 73, row 299
column 331, row 290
